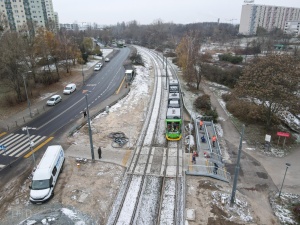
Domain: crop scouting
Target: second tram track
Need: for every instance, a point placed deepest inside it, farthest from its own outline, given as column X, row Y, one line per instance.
column 139, row 181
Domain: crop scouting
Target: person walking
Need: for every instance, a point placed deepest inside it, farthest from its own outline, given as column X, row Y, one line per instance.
column 99, row 152
column 201, row 124
column 216, row 168
column 194, row 157
column 84, row 114
column 214, row 139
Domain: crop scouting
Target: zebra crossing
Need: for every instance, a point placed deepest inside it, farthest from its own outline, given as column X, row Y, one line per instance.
column 18, row 144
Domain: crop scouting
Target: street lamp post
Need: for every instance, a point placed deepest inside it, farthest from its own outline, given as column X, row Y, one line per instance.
column 166, row 73
column 90, row 130
column 287, row 166
column 28, row 101
column 82, row 74
column 30, row 142
column 237, row 169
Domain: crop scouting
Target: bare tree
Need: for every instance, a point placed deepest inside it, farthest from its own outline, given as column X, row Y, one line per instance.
column 189, row 58
column 12, row 67
column 271, row 82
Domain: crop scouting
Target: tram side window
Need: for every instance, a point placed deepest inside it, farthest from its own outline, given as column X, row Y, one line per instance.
column 174, row 88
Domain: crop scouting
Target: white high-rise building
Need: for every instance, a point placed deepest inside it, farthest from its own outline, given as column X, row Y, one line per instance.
column 28, row 14
column 268, row 17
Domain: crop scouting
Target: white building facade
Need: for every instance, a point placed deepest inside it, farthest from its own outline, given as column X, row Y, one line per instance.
column 268, row 17
column 28, row 14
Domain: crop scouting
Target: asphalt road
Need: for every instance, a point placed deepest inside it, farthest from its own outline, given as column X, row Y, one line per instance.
column 101, row 85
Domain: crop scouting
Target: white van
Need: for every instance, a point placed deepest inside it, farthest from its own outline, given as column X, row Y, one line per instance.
column 69, row 89
column 46, row 174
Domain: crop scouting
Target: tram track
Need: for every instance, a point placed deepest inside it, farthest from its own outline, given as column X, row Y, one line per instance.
column 150, row 176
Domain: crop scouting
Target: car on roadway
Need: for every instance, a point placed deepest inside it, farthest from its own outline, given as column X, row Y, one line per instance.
column 69, row 89
column 107, row 59
column 54, row 100
column 97, row 66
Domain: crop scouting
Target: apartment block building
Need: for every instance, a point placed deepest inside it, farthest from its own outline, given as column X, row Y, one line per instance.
column 28, row 14
column 268, row 17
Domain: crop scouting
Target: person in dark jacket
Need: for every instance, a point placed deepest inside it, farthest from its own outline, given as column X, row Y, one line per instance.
column 216, row 168
column 99, row 152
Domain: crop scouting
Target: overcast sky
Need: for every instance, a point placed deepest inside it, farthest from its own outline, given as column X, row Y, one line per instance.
column 110, row 12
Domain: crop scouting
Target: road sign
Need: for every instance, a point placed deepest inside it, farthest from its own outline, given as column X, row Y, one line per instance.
column 283, row 134
column 268, row 138
column 2, row 147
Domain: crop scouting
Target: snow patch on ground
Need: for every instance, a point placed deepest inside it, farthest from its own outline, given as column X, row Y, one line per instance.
column 282, row 207
column 240, row 208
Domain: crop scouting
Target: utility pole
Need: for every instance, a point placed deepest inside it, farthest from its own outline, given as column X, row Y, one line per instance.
column 30, row 142
column 287, row 166
column 28, row 101
column 82, row 75
column 237, row 169
column 90, row 130
column 166, row 73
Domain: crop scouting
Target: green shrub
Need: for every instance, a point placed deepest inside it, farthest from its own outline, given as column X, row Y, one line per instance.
column 213, row 114
column 231, row 58
column 228, row 97
column 245, row 111
column 203, row 103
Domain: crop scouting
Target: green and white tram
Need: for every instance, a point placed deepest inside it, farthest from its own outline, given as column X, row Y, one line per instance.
column 173, row 124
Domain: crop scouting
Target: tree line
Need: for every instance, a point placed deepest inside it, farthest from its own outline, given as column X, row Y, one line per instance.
column 22, row 56
column 40, row 58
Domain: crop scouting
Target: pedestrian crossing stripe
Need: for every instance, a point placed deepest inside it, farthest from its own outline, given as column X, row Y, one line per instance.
column 18, row 144
column 38, row 147
column 1, row 166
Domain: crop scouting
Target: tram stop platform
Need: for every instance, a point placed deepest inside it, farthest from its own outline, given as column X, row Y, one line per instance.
column 209, row 161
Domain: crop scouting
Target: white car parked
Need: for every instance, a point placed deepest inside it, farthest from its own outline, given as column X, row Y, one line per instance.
column 69, row 89
column 97, row 66
column 54, row 100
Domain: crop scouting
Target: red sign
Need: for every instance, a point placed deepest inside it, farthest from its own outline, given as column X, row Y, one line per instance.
column 283, row 134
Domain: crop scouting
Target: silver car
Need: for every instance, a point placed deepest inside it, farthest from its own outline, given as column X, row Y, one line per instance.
column 54, row 100
column 97, row 66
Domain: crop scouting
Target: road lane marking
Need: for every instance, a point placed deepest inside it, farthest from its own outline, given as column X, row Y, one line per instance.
column 117, row 92
column 25, row 150
column 38, row 147
column 7, row 137
column 60, row 114
column 14, row 139
column 2, row 134
column 19, row 139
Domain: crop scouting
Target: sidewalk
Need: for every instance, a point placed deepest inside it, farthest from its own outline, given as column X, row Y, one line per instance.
column 111, row 155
